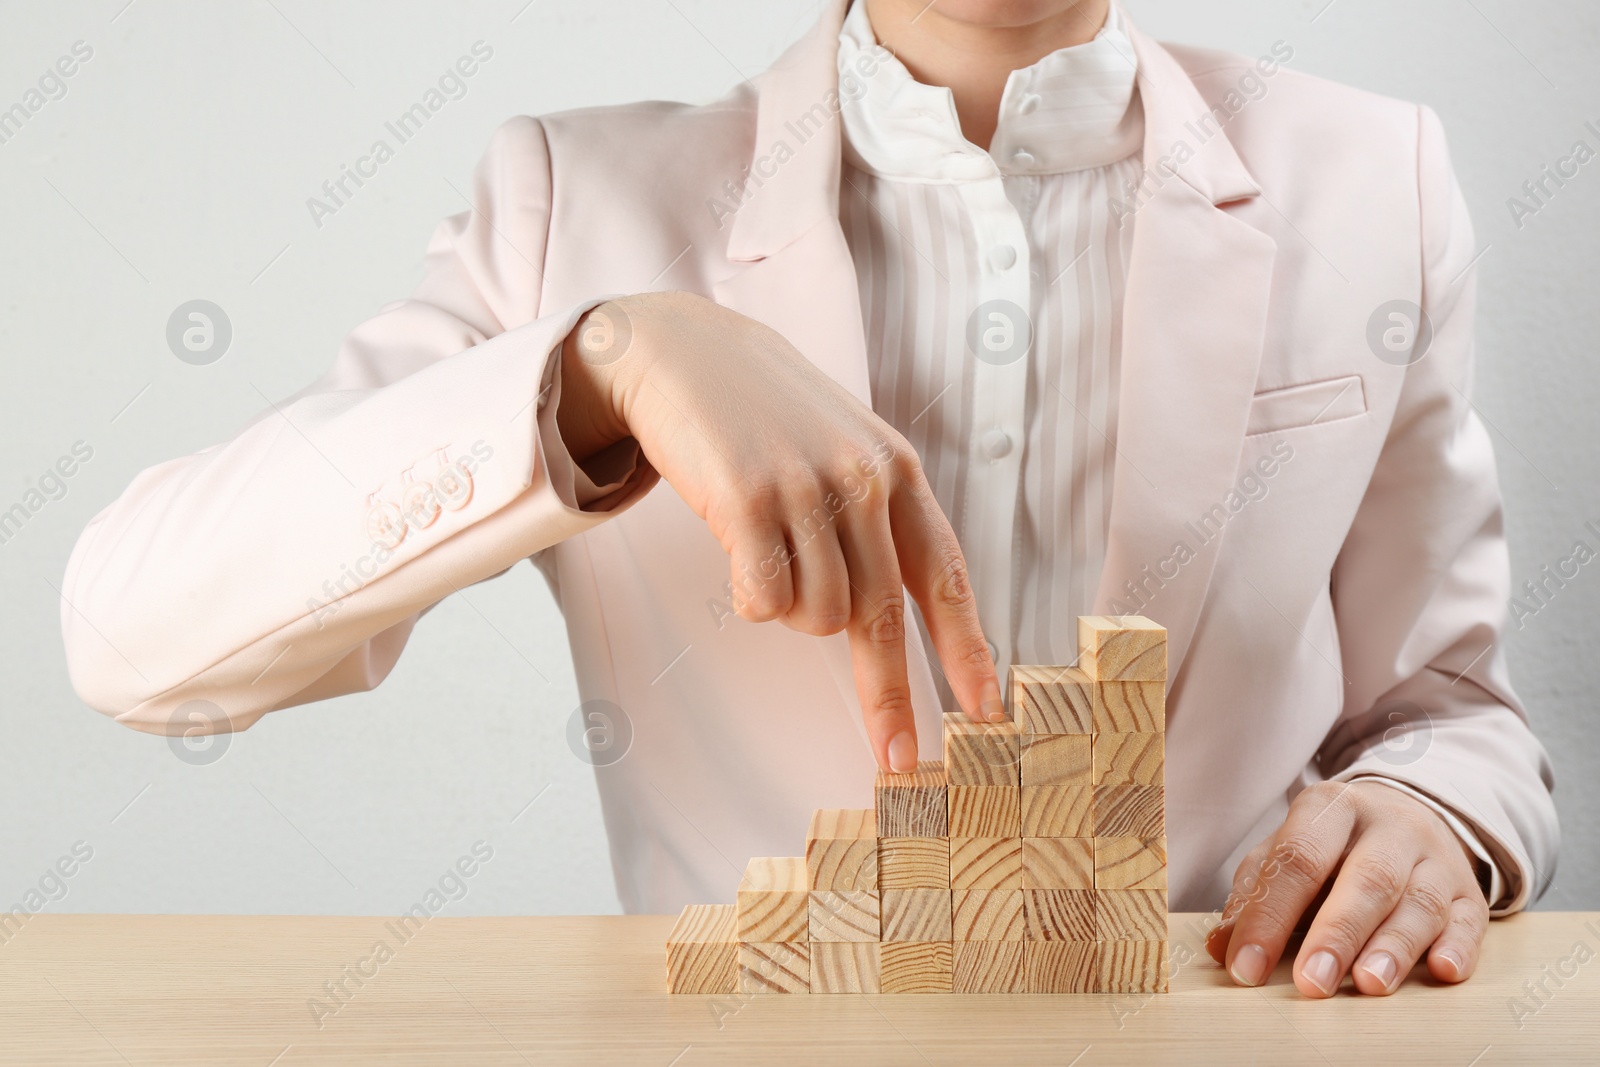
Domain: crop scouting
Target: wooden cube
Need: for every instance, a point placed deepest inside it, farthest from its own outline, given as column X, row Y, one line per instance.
column 842, row 849
column 914, row 862
column 1130, row 914
column 773, row 901
column 1058, row 863
column 703, row 951
column 774, row 967
column 986, row 915
column 1127, row 758
column 1129, row 811
column 1057, row 811
column 916, row 914
column 844, row 915
column 990, row 967
column 1058, row 759
column 845, row 967
column 980, row 753
column 1058, row 914
column 916, row 967
column 913, row 804
column 985, row 863
column 1131, row 967
column 984, row 811
column 1052, row 700
column 1061, row 966
column 1130, row 707
column 1122, row 648
column 1129, row 863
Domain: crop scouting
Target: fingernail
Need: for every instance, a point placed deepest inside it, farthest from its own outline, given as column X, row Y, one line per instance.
column 994, row 711
column 1381, row 966
column 1449, row 957
column 1322, row 971
column 1249, row 965
column 903, row 752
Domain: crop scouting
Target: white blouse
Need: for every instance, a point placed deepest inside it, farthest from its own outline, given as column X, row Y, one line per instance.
column 991, row 288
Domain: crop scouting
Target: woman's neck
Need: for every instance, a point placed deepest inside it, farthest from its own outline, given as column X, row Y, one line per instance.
column 974, row 58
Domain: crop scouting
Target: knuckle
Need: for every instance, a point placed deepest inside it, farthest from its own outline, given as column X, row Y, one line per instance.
column 1430, row 903
column 1346, row 931
column 1379, row 877
column 895, row 701
column 1471, row 920
column 953, row 583
column 973, row 653
column 1301, row 858
column 884, row 621
column 762, row 498
column 908, row 472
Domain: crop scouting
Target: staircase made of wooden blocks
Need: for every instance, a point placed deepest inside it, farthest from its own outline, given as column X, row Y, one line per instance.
column 1031, row 859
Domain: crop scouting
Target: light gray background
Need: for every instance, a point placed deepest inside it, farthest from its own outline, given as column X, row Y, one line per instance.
column 178, row 165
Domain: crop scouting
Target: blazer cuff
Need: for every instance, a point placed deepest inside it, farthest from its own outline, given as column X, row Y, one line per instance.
column 606, row 478
column 1491, row 879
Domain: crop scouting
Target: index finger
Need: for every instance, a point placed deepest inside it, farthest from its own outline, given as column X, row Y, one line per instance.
column 877, row 631
column 1305, row 852
column 936, row 575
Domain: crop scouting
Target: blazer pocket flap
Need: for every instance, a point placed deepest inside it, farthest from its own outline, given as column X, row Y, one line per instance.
column 1295, row 406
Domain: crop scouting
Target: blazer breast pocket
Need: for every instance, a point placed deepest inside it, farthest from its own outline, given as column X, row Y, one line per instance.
column 1312, row 404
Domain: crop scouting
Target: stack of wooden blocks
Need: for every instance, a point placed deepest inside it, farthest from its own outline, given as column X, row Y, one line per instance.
column 1032, row 859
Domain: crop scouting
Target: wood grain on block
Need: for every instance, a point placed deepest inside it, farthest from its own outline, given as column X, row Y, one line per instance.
column 1122, row 648
column 1057, row 759
column 914, row 863
column 986, row 915
column 984, row 753
column 1131, row 967
column 1130, row 914
column 844, row 915
column 845, row 967
column 774, row 967
column 1060, row 966
column 1129, row 863
column 1052, row 700
column 703, row 951
column 842, row 849
column 773, row 902
column 912, row 804
column 985, row 811
column 1058, row 914
column 1130, row 707
column 986, row 863
column 915, row 967
column 990, row 967
column 916, row 914
column 1057, row 863
column 1128, row 758
column 1129, row 811
column 1057, row 810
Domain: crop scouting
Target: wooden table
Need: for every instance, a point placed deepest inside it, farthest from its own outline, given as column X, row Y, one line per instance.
column 113, row 989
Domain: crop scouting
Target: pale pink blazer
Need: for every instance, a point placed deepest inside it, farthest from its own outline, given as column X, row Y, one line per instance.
column 1374, row 571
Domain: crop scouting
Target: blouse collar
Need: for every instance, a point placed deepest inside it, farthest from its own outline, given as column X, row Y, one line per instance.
column 1075, row 109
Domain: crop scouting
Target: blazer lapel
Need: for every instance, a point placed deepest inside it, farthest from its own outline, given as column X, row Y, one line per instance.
column 791, row 264
column 1194, row 319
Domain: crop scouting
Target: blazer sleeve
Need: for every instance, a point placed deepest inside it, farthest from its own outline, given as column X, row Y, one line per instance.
column 290, row 563
column 1421, row 586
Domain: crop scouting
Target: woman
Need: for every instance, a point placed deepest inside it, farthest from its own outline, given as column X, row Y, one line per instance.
column 997, row 303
